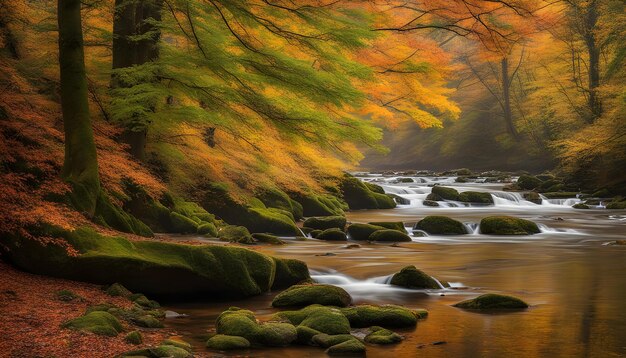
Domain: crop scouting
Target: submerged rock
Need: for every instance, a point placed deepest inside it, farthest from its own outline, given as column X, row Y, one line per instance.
column 440, row 225
column 326, row 222
column 492, row 301
column 304, row 295
column 332, row 235
column 389, row 235
column 384, row 315
column 411, row 277
column 222, row 342
column 380, row 335
column 100, row 323
column 507, row 225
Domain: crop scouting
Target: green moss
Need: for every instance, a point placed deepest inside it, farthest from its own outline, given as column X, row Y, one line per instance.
column 118, row 290
column 134, row 337
column 110, row 215
column 389, row 236
column 304, row 295
column 380, row 335
column 143, row 301
column 315, row 233
column 385, row 316
column 319, row 205
column 222, row 342
column 289, row 272
column 362, row 232
column 359, row 196
column 66, row 295
column 350, row 347
column 182, row 224
column 278, row 334
column 326, row 222
column 147, row 321
column 320, row 318
column 268, row 239
column 445, row 193
column 375, row 188
column 168, row 351
column 325, row 340
column 507, row 225
column 411, row 277
column 430, row 203
column 242, row 323
column 332, row 235
column 207, row 229
column 153, row 267
column 528, row 182
column 533, row 197
column 276, row 198
column 177, row 343
column 476, row 197
column 560, row 194
column 100, row 323
column 234, row 233
column 580, row 206
column 492, row 301
column 306, row 334
column 616, row 205
column 441, row 225
column 391, row 225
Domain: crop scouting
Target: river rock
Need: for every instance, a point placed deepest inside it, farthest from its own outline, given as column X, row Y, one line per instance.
column 391, row 225
column 507, row 225
column 332, row 235
column 322, row 319
column 326, row 222
column 430, row 203
column 304, row 295
column 359, row 196
column 445, row 193
column 100, row 323
column 268, row 239
column 411, row 277
column 325, row 340
column 243, row 323
column 350, row 347
column 492, row 301
column 389, row 235
column 380, row 335
column 222, row 342
column 388, row 316
column 476, row 197
column 440, row 225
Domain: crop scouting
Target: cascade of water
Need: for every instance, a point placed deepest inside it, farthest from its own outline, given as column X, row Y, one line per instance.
column 472, row 228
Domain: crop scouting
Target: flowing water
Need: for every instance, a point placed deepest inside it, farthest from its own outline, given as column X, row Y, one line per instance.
column 575, row 284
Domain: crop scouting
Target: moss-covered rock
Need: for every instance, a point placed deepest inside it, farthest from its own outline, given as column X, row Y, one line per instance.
column 176, row 342
column 441, row 225
column 332, row 235
column 492, row 301
column 143, row 301
column 134, row 337
column 507, row 225
column 152, row 267
column 351, row 347
column 445, row 193
column 100, row 323
column 411, row 277
column 560, row 194
column 326, row 340
column 207, row 229
column 323, row 319
column 242, row 323
column 391, row 225
column 305, row 295
column 475, row 197
column 118, row 290
column 389, row 236
column 362, row 232
column 182, row 224
column 359, row 196
column 533, row 197
column 169, row 351
column 276, row 198
column 380, row 335
column 315, row 233
column 374, row 187
column 385, row 316
column 325, row 222
column 430, row 203
column 528, row 182
column 147, row 321
column 289, row 272
column 616, row 205
column 580, row 206
column 222, row 342
column 306, row 334
column 238, row 234
column 268, row 239
column 278, row 334
column 66, row 295
column 319, row 205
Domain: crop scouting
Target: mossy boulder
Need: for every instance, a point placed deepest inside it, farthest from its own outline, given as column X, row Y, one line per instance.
column 326, row 222
column 528, row 182
column 362, row 232
column 118, row 290
column 207, row 229
column 389, row 236
column 492, row 301
column 374, row 187
column 445, row 193
column 385, row 316
column 242, row 323
column 533, row 197
column 380, row 335
column 580, row 206
column 430, row 203
column 289, row 272
column 182, row 224
column 169, row 351
column 100, row 323
column 475, row 197
column 268, row 239
column 323, row 319
column 315, row 233
column 561, row 194
column 440, row 225
column 507, row 225
column 616, row 205
column 222, row 342
column 411, row 277
column 305, row 295
column 332, row 235
column 359, row 196
column 66, row 296
column 391, row 225
column 278, row 199
column 350, row 347
column 134, row 337
column 326, row 340
column 176, row 342
column 320, row 204
column 110, row 215
column 238, row 234
column 147, row 321
column 153, row 267
column 306, row 334
column 278, row 334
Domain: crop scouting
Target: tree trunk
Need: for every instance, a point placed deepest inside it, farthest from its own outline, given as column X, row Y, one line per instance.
column 591, row 19
column 80, row 167
column 506, row 99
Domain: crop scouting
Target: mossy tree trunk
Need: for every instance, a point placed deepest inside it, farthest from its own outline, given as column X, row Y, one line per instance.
column 80, row 167
column 590, row 24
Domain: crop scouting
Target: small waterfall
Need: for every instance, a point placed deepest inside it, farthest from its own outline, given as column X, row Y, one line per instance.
column 559, row 202
column 508, row 199
column 472, row 228
column 549, row 230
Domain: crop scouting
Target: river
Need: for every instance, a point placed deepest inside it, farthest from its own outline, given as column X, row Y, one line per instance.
column 575, row 284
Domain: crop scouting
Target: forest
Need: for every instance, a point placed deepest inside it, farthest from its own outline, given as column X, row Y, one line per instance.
column 265, row 178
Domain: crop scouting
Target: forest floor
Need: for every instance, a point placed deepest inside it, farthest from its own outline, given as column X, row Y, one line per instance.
column 31, row 315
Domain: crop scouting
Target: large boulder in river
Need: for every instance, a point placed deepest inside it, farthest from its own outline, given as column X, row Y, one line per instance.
column 304, row 295
column 411, row 277
column 359, row 196
column 323, row 319
column 507, row 225
column 388, row 316
column 332, row 235
column 325, row 222
column 476, row 197
column 445, row 193
column 392, row 225
column 314, row 204
column 153, row 267
column 242, row 323
column 440, row 225
column 362, row 232
column 388, row 235
column 492, row 301
column 528, row 182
